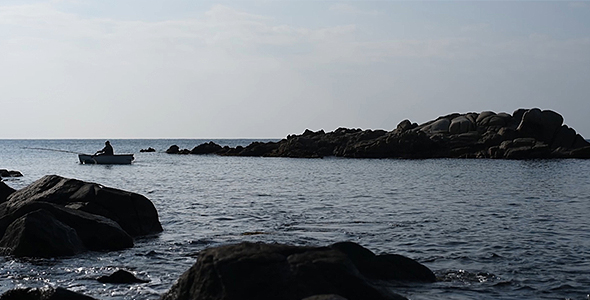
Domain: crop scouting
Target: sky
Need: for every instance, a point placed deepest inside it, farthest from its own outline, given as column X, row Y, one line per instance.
column 269, row 68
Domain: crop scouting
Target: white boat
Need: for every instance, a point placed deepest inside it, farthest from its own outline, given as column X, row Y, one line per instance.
column 117, row 159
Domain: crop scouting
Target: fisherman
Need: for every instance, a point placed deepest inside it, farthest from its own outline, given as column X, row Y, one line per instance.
column 107, row 150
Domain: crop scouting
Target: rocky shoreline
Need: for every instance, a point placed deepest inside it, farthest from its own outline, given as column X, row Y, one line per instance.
column 524, row 134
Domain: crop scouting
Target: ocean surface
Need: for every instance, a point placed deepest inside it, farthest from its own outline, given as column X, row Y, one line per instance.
column 489, row 229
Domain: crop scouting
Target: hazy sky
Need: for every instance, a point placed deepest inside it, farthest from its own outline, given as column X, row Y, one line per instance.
column 269, row 68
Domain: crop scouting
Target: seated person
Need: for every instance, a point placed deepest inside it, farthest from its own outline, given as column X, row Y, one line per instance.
column 107, row 150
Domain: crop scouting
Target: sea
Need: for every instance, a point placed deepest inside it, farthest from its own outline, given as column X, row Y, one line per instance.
column 489, row 229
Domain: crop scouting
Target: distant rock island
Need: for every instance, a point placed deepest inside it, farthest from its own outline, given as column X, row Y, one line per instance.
column 526, row 134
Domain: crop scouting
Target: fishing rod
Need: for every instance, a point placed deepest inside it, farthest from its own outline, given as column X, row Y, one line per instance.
column 49, row 149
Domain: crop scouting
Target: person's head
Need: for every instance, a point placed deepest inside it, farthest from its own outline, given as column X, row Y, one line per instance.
column 107, row 143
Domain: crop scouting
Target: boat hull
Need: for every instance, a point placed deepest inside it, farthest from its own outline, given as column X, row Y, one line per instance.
column 117, row 159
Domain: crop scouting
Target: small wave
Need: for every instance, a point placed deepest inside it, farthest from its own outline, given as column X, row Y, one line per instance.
column 466, row 276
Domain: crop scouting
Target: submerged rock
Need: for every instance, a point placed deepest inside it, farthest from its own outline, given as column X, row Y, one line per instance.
column 275, row 271
column 122, row 277
column 470, row 135
column 57, row 216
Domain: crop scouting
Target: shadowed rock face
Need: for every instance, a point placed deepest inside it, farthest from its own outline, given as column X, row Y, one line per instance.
column 274, row 271
column 5, row 191
column 57, row 216
column 471, row 135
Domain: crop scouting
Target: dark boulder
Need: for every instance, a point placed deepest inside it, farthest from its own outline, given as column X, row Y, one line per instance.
column 440, row 126
column 461, row 124
column 11, row 173
column 95, row 232
column 206, row 148
column 78, row 216
column 174, row 149
column 40, row 234
column 133, row 212
column 47, row 293
column 541, row 125
column 259, row 149
column 406, row 125
column 121, row 277
column 275, row 271
column 150, row 149
column 5, row 191
column 583, row 152
column 385, row 267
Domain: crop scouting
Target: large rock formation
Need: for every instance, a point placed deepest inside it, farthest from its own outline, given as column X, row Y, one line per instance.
column 527, row 133
column 56, row 216
column 274, row 271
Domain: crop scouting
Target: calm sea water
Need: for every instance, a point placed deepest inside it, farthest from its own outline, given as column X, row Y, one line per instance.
column 489, row 229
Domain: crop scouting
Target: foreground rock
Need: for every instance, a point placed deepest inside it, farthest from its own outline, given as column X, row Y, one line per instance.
column 48, row 293
column 527, row 133
column 5, row 191
column 274, row 271
column 56, row 216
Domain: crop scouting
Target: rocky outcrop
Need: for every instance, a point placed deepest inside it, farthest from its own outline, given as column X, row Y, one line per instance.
column 524, row 134
column 56, row 216
column 174, row 149
column 47, row 293
column 150, row 149
column 206, row 148
column 275, row 271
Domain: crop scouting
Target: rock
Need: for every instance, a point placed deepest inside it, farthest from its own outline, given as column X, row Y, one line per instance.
column 5, row 191
column 385, row 267
column 77, row 212
column 150, row 149
column 40, row 234
column 133, row 212
column 580, row 142
column 95, row 232
column 7, row 173
column 406, row 125
column 47, row 293
column 206, row 148
column 174, row 149
column 460, row 125
column 122, row 277
column 469, row 135
column 275, row 271
column 565, row 137
column 440, row 126
column 583, row 152
column 541, row 125
column 480, row 121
